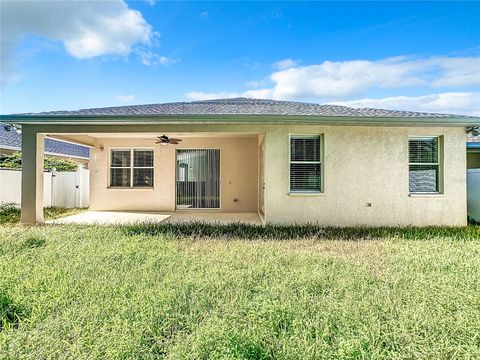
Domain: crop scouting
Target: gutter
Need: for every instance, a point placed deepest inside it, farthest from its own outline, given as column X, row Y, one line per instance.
column 234, row 119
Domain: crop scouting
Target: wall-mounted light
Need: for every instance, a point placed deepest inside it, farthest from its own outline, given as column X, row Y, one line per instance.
column 474, row 130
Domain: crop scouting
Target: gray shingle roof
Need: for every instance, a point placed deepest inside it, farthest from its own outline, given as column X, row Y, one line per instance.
column 13, row 141
column 243, row 106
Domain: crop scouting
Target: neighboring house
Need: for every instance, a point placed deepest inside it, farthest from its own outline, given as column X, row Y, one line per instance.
column 473, row 152
column 291, row 162
column 11, row 141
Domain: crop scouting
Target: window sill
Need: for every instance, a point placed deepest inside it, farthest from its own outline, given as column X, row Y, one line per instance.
column 305, row 193
column 129, row 188
column 426, row 195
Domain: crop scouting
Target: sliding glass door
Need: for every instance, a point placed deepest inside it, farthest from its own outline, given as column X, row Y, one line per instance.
column 198, row 179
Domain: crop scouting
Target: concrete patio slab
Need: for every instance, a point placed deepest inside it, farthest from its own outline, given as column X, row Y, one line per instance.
column 132, row 217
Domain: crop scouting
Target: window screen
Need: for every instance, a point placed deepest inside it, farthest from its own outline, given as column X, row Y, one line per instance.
column 131, row 168
column 424, row 165
column 305, row 164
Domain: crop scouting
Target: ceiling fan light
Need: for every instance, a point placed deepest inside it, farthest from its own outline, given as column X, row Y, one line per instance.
column 163, row 143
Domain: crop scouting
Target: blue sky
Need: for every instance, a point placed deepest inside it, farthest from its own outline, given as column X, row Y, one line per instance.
column 422, row 56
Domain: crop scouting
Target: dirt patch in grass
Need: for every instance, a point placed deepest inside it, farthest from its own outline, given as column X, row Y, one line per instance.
column 370, row 254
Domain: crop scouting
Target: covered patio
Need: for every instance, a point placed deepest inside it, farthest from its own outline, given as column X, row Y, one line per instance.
column 133, row 178
column 107, row 218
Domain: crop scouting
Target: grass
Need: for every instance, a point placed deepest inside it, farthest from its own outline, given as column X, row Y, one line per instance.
column 273, row 232
column 194, row 292
column 10, row 213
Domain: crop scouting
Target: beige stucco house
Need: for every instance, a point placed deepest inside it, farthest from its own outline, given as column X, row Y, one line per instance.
column 289, row 162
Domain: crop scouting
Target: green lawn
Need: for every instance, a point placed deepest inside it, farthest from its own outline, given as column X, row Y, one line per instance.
column 191, row 292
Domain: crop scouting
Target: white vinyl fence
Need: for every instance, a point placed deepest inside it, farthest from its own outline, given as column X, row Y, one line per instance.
column 473, row 193
column 62, row 189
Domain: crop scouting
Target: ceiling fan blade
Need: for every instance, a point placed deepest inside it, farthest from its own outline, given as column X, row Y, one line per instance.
column 164, row 139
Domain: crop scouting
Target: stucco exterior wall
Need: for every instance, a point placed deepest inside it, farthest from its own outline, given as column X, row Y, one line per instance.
column 238, row 168
column 362, row 165
column 365, row 165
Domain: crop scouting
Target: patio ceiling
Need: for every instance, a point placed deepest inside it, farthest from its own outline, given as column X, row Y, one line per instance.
column 88, row 139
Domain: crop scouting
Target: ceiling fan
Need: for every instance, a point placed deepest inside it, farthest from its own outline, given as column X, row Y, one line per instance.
column 165, row 140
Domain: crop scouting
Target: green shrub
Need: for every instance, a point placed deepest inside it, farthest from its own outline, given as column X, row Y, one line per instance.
column 14, row 161
column 471, row 221
column 9, row 213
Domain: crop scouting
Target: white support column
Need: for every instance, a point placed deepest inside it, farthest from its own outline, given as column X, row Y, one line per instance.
column 32, row 176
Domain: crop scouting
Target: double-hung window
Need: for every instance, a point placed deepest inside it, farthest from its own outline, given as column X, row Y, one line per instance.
column 131, row 168
column 305, row 164
column 424, row 164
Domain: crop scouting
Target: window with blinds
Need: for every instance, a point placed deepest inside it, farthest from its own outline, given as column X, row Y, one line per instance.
column 131, row 168
column 424, row 164
column 305, row 164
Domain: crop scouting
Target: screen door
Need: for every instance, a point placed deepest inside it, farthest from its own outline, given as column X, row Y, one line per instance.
column 198, row 179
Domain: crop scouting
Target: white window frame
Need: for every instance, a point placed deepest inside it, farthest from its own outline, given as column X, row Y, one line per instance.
column 438, row 163
column 131, row 167
column 320, row 162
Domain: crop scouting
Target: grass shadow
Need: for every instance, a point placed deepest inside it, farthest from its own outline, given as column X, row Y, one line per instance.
column 11, row 314
column 33, row 242
column 199, row 230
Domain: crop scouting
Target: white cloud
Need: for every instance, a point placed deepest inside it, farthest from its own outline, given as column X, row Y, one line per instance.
column 344, row 79
column 254, row 83
column 125, row 98
column 150, row 58
column 340, row 80
column 198, row 95
column 257, row 94
column 461, row 103
column 86, row 28
column 285, row 64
